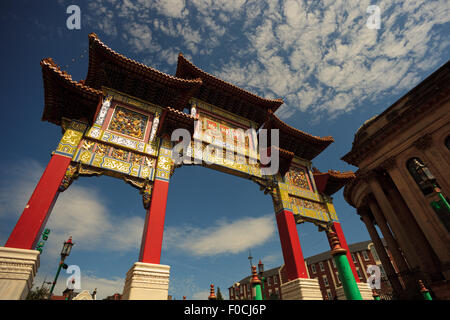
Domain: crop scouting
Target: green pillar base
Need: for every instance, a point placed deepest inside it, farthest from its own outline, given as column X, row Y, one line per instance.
column 349, row 284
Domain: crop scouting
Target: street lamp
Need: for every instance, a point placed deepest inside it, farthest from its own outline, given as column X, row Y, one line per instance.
column 261, row 277
column 67, row 247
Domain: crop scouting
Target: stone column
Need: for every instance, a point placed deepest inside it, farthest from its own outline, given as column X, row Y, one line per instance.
column 428, row 261
column 390, row 240
column 391, row 217
column 422, row 212
column 385, row 260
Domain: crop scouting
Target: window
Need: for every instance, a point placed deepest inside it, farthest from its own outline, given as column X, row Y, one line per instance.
column 365, row 255
column 313, row 268
column 329, row 294
column 325, row 281
column 421, row 175
column 374, row 253
column 353, row 258
column 275, row 280
column 268, row 281
column 359, row 273
column 383, row 274
column 322, row 268
column 334, row 263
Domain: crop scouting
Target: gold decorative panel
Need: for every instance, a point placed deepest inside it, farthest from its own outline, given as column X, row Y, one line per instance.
column 128, row 122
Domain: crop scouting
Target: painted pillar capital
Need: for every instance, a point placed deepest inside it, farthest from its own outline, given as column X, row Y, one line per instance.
column 334, row 242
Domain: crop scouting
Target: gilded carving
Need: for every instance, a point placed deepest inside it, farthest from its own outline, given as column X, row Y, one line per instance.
column 116, row 165
column 297, row 177
column 128, row 122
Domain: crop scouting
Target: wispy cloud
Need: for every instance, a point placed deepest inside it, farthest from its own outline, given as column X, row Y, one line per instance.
column 320, row 57
column 223, row 237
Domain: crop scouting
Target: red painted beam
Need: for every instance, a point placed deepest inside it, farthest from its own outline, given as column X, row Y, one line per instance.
column 28, row 228
column 290, row 244
column 338, row 229
column 152, row 236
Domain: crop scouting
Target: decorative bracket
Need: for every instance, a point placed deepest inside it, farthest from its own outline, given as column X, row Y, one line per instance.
column 70, row 175
column 146, row 192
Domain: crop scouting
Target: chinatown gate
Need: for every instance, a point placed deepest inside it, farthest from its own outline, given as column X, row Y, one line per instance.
column 119, row 122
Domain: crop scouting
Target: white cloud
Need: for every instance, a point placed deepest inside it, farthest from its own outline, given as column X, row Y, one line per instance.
column 221, row 238
column 79, row 212
column 311, row 54
column 171, row 8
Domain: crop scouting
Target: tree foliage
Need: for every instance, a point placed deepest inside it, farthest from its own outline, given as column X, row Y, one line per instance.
column 38, row 294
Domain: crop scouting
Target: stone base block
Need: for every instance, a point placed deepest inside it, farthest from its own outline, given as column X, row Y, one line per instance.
column 301, row 289
column 17, row 270
column 364, row 289
column 147, row 281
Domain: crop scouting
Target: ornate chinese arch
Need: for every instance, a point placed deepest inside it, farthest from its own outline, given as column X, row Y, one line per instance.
column 119, row 122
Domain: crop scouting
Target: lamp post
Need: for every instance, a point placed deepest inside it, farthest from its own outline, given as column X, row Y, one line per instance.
column 261, row 277
column 67, row 247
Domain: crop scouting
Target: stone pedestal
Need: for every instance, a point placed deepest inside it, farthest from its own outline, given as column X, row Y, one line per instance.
column 364, row 289
column 301, row 289
column 17, row 270
column 147, row 281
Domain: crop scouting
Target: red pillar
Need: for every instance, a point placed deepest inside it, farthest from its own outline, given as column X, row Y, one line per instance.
column 152, row 236
column 29, row 226
column 290, row 244
column 340, row 234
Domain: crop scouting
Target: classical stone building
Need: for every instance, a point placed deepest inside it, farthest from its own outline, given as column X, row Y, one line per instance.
column 403, row 183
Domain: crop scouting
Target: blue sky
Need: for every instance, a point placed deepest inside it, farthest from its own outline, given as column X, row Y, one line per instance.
column 331, row 70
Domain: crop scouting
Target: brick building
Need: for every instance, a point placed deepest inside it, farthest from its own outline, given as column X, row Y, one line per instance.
column 241, row 290
column 320, row 266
